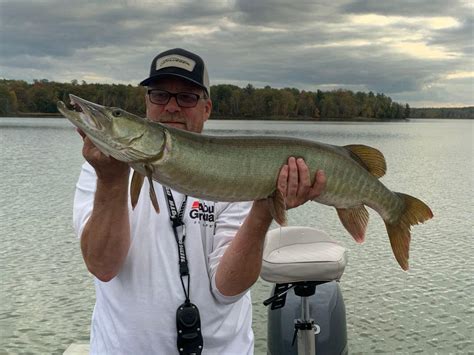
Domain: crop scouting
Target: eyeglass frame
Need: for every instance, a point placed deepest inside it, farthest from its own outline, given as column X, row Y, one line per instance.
column 175, row 95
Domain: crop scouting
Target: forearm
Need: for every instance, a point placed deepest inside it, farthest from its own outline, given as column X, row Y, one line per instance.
column 105, row 240
column 240, row 265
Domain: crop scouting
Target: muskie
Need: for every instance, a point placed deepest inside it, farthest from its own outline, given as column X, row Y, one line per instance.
column 247, row 168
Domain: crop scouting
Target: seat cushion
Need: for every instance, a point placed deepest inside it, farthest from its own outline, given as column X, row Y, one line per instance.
column 295, row 254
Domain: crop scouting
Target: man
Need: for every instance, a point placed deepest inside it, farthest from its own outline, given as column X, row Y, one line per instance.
column 137, row 256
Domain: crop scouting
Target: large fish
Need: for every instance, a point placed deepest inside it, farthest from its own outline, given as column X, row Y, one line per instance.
column 246, row 168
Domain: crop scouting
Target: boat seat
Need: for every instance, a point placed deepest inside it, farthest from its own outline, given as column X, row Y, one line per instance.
column 297, row 254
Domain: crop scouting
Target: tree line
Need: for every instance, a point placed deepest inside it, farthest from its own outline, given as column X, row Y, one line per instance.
column 229, row 101
column 443, row 112
column 234, row 102
column 41, row 96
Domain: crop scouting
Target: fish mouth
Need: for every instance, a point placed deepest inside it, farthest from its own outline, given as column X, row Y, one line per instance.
column 88, row 114
column 94, row 115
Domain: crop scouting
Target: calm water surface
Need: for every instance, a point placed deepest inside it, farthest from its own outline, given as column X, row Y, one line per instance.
column 47, row 296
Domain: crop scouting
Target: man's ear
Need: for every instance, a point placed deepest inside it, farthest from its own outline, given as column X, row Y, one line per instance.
column 208, row 109
column 147, row 103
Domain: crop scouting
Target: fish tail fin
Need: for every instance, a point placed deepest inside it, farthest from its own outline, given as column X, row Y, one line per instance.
column 415, row 212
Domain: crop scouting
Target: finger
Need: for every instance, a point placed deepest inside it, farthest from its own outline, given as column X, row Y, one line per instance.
column 283, row 180
column 303, row 177
column 87, row 147
column 81, row 132
column 319, row 184
column 88, row 143
column 292, row 177
column 90, row 151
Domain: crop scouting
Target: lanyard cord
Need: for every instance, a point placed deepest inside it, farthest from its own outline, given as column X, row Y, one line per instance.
column 176, row 222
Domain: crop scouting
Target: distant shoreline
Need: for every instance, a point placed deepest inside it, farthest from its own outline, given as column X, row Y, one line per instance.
column 36, row 114
column 308, row 119
column 273, row 119
column 290, row 119
column 22, row 99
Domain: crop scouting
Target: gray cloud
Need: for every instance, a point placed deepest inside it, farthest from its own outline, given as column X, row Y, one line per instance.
column 405, row 7
column 303, row 44
column 49, row 29
column 283, row 13
column 459, row 39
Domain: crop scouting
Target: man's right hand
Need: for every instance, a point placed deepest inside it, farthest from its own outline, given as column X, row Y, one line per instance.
column 108, row 169
column 105, row 240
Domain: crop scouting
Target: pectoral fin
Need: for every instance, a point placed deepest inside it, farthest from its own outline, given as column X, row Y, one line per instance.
column 277, row 206
column 355, row 221
column 135, row 187
column 154, row 200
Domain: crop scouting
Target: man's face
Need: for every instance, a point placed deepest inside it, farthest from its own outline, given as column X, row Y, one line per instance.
column 189, row 119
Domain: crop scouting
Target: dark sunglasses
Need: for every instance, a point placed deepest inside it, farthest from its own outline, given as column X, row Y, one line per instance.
column 183, row 99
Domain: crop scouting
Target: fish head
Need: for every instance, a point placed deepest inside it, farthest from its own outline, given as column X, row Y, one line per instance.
column 116, row 122
column 114, row 131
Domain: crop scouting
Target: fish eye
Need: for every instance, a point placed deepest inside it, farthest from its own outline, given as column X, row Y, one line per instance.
column 117, row 113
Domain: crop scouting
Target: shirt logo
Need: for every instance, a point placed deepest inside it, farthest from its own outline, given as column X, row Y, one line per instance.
column 201, row 212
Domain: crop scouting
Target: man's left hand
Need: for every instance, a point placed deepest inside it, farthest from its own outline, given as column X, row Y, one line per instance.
column 294, row 182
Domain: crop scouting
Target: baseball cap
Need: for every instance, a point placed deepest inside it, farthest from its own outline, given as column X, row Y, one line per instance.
column 181, row 63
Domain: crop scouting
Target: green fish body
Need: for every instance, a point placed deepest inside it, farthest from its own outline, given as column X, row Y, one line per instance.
column 236, row 168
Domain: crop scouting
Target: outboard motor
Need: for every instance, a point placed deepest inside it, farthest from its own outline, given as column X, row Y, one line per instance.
column 307, row 313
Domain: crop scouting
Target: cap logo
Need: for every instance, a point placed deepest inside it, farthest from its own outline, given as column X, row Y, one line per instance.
column 177, row 61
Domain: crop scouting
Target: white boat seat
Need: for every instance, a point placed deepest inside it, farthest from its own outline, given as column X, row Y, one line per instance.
column 296, row 254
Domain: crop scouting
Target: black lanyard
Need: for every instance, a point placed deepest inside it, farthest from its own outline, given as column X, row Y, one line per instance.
column 188, row 320
column 177, row 222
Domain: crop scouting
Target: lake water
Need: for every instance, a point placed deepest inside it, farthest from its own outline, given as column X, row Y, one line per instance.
column 47, row 296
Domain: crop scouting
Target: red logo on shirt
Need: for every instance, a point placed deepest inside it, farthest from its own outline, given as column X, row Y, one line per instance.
column 202, row 212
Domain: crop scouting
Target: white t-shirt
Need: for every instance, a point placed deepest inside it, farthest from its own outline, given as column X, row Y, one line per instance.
column 135, row 312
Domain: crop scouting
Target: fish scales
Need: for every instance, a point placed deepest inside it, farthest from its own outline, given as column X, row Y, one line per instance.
column 213, row 171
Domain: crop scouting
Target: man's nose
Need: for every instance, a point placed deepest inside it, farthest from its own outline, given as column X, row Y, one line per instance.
column 172, row 105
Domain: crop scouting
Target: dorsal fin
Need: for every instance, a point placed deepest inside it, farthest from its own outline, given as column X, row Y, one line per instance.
column 370, row 158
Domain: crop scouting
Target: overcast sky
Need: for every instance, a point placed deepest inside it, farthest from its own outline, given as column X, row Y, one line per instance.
column 417, row 52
